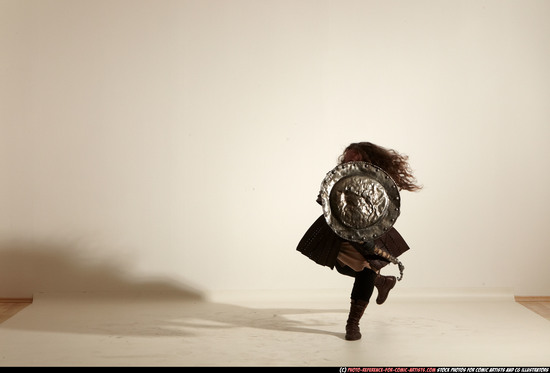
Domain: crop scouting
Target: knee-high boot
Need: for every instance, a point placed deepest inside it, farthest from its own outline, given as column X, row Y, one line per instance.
column 356, row 311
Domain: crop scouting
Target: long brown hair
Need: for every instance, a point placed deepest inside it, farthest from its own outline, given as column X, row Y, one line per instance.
column 394, row 163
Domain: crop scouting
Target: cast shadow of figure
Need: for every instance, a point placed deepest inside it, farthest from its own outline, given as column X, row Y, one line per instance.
column 223, row 315
column 115, row 304
column 37, row 267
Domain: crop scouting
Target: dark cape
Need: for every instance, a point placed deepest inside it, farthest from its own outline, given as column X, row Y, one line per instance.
column 322, row 245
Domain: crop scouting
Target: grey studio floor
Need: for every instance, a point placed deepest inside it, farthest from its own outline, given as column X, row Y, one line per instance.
column 274, row 329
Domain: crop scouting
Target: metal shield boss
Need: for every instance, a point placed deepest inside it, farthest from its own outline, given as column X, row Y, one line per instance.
column 360, row 201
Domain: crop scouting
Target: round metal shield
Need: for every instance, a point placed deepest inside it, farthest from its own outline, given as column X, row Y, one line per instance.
column 360, row 201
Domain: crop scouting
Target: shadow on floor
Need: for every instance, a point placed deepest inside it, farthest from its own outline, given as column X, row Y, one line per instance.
column 150, row 315
column 117, row 305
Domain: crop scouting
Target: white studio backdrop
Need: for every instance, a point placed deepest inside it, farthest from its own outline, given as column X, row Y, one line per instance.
column 181, row 144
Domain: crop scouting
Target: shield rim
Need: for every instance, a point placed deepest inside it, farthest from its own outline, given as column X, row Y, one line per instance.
column 359, row 168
